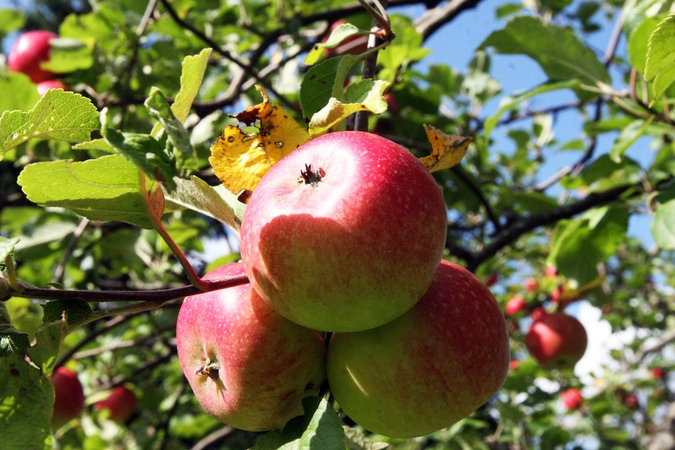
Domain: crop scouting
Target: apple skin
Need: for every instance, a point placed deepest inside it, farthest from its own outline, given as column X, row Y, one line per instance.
column 29, row 51
column 557, row 340
column 121, row 404
column 68, row 397
column 515, row 305
column 44, row 86
column 248, row 366
column 427, row 369
column 351, row 251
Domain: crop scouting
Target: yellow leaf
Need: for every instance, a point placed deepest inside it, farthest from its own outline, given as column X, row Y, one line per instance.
column 241, row 158
column 570, row 295
column 447, row 150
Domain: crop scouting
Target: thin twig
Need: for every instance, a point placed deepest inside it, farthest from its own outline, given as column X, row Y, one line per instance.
column 369, row 64
column 77, row 234
column 157, row 295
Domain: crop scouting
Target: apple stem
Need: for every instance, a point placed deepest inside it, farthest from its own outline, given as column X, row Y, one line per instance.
column 210, row 369
column 309, row 176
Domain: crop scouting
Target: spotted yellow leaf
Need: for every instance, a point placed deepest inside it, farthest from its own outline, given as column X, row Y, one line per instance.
column 240, row 157
column 447, row 150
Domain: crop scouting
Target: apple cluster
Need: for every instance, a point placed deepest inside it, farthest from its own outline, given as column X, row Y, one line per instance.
column 342, row 243
column 69, row 399
column 30, row 50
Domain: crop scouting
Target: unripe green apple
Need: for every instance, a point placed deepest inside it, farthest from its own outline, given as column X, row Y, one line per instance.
column 248, row 366
column 557, row 341
column 344, row 233
column 68, row 397
column 427, row 369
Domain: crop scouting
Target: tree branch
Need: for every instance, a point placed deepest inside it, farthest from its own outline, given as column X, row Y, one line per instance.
column 516, row 229
column 153, row 295
column 433, row 19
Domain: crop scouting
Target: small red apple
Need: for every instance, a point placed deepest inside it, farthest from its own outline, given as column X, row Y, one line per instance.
column 44, row 86
column 513, row 365
column 537, row 313
column 121, row 404
column 659, row 373
column 392, row 104
column 572, row 398
column 68, row 397
column 344, row 233
column 431, row 367
column 557, row 341
column 515, row 305
column 29, row 51
column 247, row 365
column 531, row 284
column 550, row 272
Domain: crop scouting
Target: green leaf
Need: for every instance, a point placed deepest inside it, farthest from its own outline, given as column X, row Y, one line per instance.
column 323, row 82
column 319, row 429
column 339, row 34
column 59, row 115
column 558, row 51
column 24, row 93
column 638, row 43
column 72, row 311
column 663, row 226
column 363, row 96
column 96, row 144
column 107, row 188
column 509, row 103
column 10, row 20
column 197, row 195
column 26, row 393
column 627, row 137
column 68, row 55
column 579, row 245
column 6, row 248
column 142, row 150
column 661, row 50
column 183, row 155
column 192, row 74
column 12, row 341
column 406, row 48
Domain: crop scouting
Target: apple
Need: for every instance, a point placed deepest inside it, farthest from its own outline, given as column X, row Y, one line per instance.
column 392, row 104
column 659, row 373
column 515, row 305
column 572, row 398
column 537, row 313
column 513, row 365
column 68, row 397
column 427, row 369
column 531, row 284
column 344, row 233
column 557, row 340
column 121, row 404
column 44, row 86
column 550, row 272
column 29, row 51
column 248, row 366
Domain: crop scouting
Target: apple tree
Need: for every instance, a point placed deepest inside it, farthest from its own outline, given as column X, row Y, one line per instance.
column 552, row 146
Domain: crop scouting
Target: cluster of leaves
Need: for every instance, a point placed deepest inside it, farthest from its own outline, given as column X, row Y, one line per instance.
column 120, row 169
